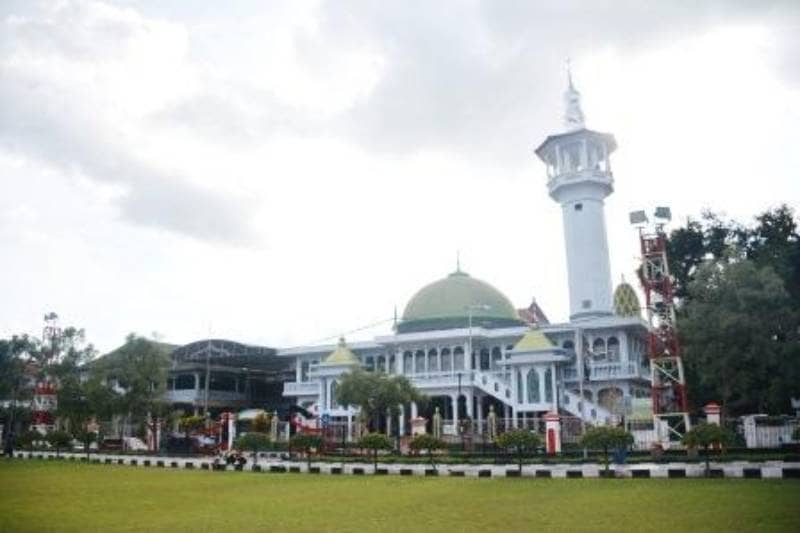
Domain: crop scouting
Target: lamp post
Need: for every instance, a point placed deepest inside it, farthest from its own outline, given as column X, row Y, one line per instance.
column 470, row 309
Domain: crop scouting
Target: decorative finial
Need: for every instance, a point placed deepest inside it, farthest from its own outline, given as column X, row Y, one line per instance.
column 573, row 114
column 395, row 316
column 342, row 341
column 458, row 260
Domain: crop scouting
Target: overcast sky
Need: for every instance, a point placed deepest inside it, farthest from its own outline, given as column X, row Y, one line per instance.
column 279, row 173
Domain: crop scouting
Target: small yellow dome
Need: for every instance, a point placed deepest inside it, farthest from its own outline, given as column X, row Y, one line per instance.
column 342, row 355
column 626, row 303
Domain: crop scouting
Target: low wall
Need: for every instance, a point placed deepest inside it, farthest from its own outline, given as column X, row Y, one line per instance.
column 735, row 469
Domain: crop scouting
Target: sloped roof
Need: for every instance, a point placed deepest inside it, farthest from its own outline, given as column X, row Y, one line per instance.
column 533, row 340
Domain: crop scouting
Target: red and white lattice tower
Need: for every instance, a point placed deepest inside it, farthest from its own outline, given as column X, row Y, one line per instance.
column 45, row 399
column 670, row 406
column 43, row 407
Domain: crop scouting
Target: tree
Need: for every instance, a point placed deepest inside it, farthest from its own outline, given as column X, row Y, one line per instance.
column 606, row 438
column 375, row 442
column 740, row 333
column 305, row 442
column 14, row 355
column 427, row 443
column 706, row 436
column 59, row 440
column 376, row 393
column 139, row 368
column 254, row 442
column 86, row 437
column 519, row 442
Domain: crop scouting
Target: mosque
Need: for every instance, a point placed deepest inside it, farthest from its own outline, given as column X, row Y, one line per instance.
column 461, row 342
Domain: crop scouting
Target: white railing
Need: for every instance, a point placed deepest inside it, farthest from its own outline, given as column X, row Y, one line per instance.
column 298, row 388
column 589, row 411
column 601, row 371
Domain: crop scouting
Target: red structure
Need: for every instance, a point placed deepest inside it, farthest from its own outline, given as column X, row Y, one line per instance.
column 670, row 406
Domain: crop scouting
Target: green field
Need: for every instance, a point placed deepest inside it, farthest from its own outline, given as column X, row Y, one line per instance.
column 38, row 496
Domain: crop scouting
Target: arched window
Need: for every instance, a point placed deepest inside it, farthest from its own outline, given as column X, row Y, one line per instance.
column 433, row 360
column 485, row 361
column 419, row 360
column 599, row 346
column 497, row 356
column 408, row 362
column 519, row 387
column 533, row 386
column 548, row 385
column 569, row 347
column 447, row 360
column 458, row 358
column 613, row 349
column 334, row 386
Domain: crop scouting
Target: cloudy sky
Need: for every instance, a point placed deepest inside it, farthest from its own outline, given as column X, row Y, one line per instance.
column 280, row 173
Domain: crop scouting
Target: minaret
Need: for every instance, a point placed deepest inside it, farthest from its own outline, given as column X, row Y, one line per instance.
column 579, row 178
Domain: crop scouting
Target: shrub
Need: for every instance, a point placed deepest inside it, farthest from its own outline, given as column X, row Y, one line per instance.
column 705, row 436
column 429, row 443
column 606, row 438
column 305, row 442
column 254, row 442
column 191, row 423
column 518, row 442
column 260, row 423
column 375, row 442
column 59, row 440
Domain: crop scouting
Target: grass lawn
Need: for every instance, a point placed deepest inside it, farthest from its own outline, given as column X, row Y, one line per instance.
column 47, row 496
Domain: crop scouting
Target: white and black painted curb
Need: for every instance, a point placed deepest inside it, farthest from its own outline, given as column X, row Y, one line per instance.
column 734, row 469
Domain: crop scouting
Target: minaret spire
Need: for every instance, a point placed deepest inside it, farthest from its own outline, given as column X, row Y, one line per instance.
column 573, row 114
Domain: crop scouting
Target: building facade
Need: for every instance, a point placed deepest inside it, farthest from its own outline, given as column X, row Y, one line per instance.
column 462, row 343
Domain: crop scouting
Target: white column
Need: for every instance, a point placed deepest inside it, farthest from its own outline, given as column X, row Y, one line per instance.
column 298, row 370
column 388, row 422
column 401, row 420
column 479, row 414
column 506, row 416
column 454, row 403
column 399, row 361
column 554, row 387
column 413, row 410
column 542, row 385
column 470, row 412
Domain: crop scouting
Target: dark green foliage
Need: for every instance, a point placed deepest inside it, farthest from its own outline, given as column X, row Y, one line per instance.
column 305, row 442
column 26, row 439
column 519, row 442
column 705, row 436
column 375, row 442
column 59, row 440
column 427, row 443
column 253, row 441
column 605, row 438
column 739, row 315
column 740, row 338
column 376, row 393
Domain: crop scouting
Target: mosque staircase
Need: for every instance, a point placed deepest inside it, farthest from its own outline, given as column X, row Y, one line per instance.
column 589, row 411
column 493, row 386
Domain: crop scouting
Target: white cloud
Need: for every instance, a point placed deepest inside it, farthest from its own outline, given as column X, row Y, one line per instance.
column 285, row 172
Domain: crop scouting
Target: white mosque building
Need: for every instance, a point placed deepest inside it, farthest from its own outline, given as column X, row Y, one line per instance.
column 461, row 342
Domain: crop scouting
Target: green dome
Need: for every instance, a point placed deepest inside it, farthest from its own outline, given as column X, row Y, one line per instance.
column 446, row 304
column 626, row 303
